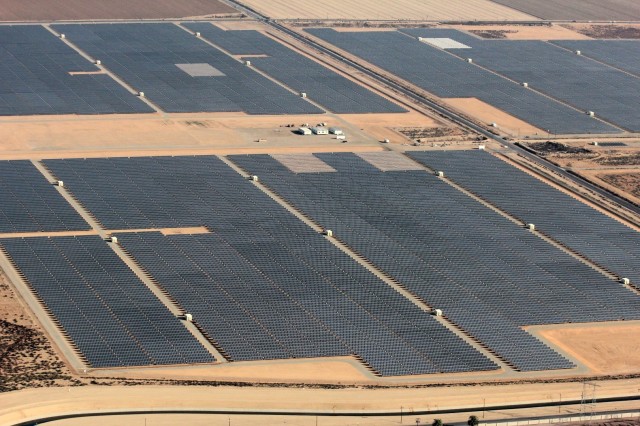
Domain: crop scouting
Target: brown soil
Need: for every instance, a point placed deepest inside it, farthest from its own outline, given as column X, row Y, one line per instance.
column 57, row 10
column 151, row 134
column 629, row 31
column 507, row 124
column 628, row 182
column 522, row 32
column 613, row 348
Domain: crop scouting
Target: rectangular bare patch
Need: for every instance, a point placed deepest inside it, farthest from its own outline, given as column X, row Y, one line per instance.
column 389, row 161
column 200, row 70
column 303, row 163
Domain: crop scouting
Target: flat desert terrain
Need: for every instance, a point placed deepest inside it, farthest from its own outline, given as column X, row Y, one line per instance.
column 57, row 10
column 606, row 10
column 427, row 10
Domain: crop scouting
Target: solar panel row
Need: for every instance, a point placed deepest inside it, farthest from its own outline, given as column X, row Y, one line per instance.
column 108, row 313
column 489, row 276
column 28, row 203
column 35, row 78
column 262, row 285
column 146, row 57
column 583, row 229
column 446, row 76
column 621, row 54
column 578, row 81
column 334, row 92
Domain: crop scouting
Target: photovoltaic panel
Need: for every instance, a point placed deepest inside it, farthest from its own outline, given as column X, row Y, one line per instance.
column 146, row 55
column 446, row 76
column 584, row 84
column 261, row 284
column 488, row 275
column 35, row 78
column 592, row 234
column 326, row 87
column 28, row 203
column 108, row 314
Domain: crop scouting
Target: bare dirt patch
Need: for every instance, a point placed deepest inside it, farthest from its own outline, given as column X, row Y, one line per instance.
column 522, row 32
column 57, row 10
column 618, row 31
column 488, row 114
column 187, row 134
column 425, row 10
column 628, row 182
column 612, row 348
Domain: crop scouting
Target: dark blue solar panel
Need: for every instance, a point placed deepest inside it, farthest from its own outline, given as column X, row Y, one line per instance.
column 110, row 316
column 146, row 55
column 446, row 76
column 262, row 284
column 331, row 90
column 573, row 79
column 488, row 275
column 603, row 240
column 35, row 79
column 28, row 203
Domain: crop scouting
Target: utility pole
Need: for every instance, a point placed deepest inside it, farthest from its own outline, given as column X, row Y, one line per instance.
column 588, row 401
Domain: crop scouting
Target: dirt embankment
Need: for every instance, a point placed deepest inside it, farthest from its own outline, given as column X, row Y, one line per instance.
column 27, row 359
column 608, row 31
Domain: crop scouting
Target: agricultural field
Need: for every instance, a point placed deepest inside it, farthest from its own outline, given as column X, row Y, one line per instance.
column 604, row 10
column 428, row 10
column 70, row 10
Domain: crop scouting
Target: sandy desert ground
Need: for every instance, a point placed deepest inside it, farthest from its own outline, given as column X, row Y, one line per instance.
column 58, row 10
column 425, row 10
column 153, row 134
column 522, row 32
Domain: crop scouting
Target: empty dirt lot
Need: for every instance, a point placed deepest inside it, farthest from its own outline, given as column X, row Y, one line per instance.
column 428, row 10
column 604, row 10
column 57, row 10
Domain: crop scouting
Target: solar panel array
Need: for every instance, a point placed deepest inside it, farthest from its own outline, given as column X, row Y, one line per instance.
column 108, row 313
column 329, row 89
column 35, row 79
column 489, row 276
column 28, row 203
column 573, row 79
column 446, row 76
column 621, row 54
column 145, row 56
column 262, row 285
column 583, row 229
